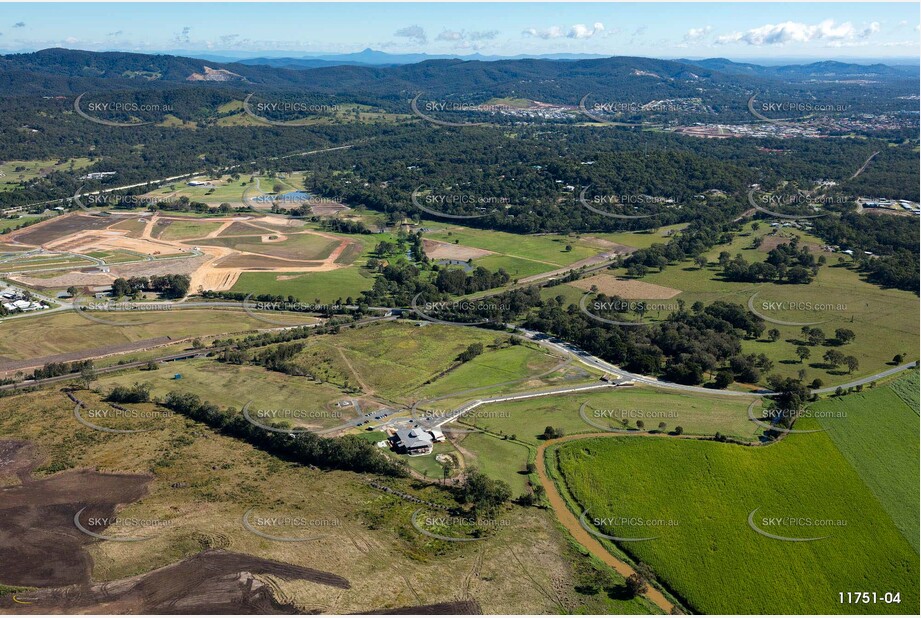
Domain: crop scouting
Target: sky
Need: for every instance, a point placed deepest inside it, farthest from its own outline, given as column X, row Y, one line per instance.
column 664, row 30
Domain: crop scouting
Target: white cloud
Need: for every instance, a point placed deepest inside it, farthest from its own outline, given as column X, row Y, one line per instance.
column 576, row 31
column 797, row 32
column 581, row 31
column 414, row 33
column 695, row 34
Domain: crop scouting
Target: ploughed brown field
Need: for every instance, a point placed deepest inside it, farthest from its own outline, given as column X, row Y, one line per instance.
column 43, row 549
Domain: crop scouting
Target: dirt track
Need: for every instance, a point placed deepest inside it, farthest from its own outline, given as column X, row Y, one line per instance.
column 572, row 525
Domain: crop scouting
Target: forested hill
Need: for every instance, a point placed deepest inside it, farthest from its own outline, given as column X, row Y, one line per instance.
column 62, row 71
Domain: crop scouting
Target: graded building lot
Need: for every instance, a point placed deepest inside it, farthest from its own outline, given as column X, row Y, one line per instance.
column 193, row 245
column 694, row 498
column 203, row 483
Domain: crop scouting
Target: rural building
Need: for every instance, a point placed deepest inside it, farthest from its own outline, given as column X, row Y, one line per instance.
column 97, row 175
column 416, row 441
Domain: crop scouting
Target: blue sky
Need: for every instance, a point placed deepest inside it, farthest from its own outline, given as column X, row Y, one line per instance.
column 733, row 30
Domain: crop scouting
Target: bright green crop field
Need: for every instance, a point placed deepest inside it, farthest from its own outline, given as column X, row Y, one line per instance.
column 696, row 497
column 877, row 432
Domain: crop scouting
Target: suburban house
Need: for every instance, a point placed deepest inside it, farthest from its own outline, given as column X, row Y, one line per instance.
column 416, row 441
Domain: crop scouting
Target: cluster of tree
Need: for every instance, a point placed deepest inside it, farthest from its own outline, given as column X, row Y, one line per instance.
column 344, row 226
column 455, row 281
column 485, row 495
column 552, row 433
column 168, row 286
column 350, row 453
column 281, row 358
column 786, row 263
column 682, row 348
column 698, row 237
column 51, row 370
column 894, row 240
column 470, row 352
column 136, row 393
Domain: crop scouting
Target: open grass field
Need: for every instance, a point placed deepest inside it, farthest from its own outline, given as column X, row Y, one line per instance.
column 877, row 432
column 14, row 173
column 312, row 404
column 225, row 189
column 497, row 458
column 294, row 247
column 885, row 321
column 498, row 366
column 203, row 483
column 180, row 230
column 397, row 360
column 28, row 338
column 696, row 414
column 696, row 497
column 326, row 286
column 521, row 256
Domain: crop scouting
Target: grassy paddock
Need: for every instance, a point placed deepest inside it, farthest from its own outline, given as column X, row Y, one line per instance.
column 695, row 497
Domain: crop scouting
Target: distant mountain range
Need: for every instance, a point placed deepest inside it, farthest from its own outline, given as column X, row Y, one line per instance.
column 564, row 78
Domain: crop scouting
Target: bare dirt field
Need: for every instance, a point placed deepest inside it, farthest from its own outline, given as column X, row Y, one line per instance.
column 626, row 288
column 59, row 227
column 39, row 542
column 437, row 250
column 43, row 548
